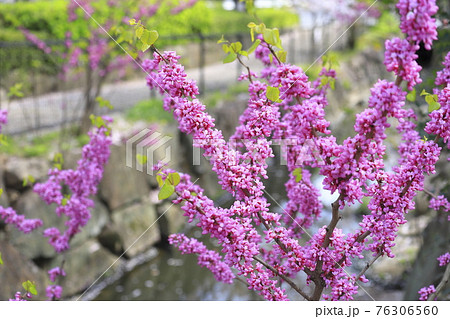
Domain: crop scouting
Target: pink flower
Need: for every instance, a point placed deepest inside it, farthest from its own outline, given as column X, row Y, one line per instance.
column 444, row 259
column 206, row 258
column 55, row 272
column 443, row 77
column 82, row 184
column 425, row 292
column 440, row 203
column 400, row 58
column 54, row 292
column 416, row 21
column 26, row 226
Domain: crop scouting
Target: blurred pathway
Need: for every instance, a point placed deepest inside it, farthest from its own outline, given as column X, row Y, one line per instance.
column 51, row 110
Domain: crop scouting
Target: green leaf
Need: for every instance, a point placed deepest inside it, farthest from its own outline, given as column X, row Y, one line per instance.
column 251, row 25
column 29, row 287
column 1, row 192
column 159, row 180
column 222, row 40
column 260, row 28
column 1, row 260
column 411, row 96
column 273, row 93
column 173, row 179
column 282, row 56
column 58, row 161
column 429, row 99
column 143, row 47
column 149, row 37
column 433, row 106
column 298, row 174
column 142, row 159
column 139, row 31
column 424, row 92
column 3, row 140
column 332, row 83
column 272, row 37
column 132, row 22
column 133, row 54
column 226, row 48
column 230, row 57
column 28, row 180
column 16, row 90
column 236, row 46
column 97, row 121
column 254, row 46
column 244, row 53
column 166, row 191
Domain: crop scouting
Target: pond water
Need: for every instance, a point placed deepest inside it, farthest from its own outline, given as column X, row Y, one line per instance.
column 172, row 276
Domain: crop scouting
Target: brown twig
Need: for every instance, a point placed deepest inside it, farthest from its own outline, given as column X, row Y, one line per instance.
column 441, row 285
column 247, row 67
column 368, row 264
column 286, row 279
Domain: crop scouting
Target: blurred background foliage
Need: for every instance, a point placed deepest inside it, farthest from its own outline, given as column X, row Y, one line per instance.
column 48, row 19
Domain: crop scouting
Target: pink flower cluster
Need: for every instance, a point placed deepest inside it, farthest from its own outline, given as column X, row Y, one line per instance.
column 439, row 203
column 41, row 45
column 416, row 21
column 26, row 226
column 206, row 258
column 400, row 58
column 96, row 49
column 393, row 194
column 183, row 6
column 74, row 5
column 292, row 82
column 82, row 184
column 262, row 53
column 425, row 292
column 444, row 259
column 3, row 118
column 233, row 228
column 54, row 292
column 361, row 156
column 19, row 297
column 443, row 77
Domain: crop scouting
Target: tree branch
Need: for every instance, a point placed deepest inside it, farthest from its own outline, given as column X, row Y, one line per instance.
column 441, row 285
column 285, row 278
column 368, row 264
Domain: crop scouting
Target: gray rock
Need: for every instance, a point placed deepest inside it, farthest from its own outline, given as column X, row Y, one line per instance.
column 16, row 269
column 134, row 221
column 121, row 185
column 84, row 265
column 111, row 240
column 17, row 169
